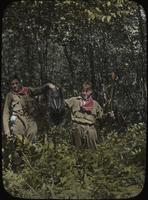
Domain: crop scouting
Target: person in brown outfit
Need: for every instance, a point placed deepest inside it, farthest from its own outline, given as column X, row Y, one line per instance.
column 18, row 120
column 84, row 113
column 18, row 110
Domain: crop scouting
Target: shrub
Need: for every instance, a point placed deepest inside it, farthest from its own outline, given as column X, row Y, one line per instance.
column 56, row 169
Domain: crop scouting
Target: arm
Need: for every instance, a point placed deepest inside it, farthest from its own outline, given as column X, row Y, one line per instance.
column 41, row 89
column 69, row 102
column 100, row 113
column 6, row 114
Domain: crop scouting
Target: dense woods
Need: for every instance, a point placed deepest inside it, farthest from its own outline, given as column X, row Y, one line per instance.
column 67, row 42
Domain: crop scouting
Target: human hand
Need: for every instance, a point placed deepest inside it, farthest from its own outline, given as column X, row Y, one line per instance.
column 7, row 133
column 51, row 86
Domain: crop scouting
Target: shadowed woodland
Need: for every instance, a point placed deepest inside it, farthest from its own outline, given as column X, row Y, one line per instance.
column 68, row 42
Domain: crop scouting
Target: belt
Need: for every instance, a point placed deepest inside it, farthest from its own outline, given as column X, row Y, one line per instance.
column 18, row 112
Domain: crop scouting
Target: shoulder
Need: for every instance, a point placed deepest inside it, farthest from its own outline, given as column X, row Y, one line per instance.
column 77, row 98
column 71, row 101
column 9, row 95
column 97, row 105
column 73, row 98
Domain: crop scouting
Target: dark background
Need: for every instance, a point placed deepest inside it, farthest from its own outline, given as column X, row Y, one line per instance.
column 68, row 42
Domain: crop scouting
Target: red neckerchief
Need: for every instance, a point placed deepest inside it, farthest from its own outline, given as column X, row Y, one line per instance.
column 87, row 104
column 23, row 90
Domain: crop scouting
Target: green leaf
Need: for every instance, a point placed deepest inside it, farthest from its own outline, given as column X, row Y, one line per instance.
column 98, row 9
column 108, row 19
column 63, row 179
column 113, row 14
column 103, row 18
column 108, row 3
column 67, row 2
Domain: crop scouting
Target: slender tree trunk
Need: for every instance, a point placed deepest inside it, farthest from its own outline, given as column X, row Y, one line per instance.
column 91, row 54
column 71, row 68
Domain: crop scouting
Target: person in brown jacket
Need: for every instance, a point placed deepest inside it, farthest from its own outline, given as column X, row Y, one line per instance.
column 18, row 110
column 84, row 113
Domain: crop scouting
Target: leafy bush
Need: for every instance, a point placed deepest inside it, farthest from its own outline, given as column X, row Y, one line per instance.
column 56, row 169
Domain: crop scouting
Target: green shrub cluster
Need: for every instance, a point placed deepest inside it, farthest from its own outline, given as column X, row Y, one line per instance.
column 56, row 169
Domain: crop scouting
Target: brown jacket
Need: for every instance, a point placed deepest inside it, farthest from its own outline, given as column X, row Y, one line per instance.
column 78, row 116
column 20, row 105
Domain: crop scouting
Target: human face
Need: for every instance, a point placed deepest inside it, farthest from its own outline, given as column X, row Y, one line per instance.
column 86, row 94
column 15, row 85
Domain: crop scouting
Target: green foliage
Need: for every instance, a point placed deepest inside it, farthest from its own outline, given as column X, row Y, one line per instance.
column 56, row 169
column 70, row 41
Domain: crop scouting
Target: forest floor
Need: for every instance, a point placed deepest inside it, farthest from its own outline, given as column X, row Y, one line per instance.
column 56, row 169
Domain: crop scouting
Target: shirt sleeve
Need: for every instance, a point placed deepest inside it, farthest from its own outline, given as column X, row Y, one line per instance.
column 69, row 102
column 99, row 112
column 6, row 112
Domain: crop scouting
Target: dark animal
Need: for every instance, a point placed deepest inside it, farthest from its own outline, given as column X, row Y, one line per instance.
column 55, row 105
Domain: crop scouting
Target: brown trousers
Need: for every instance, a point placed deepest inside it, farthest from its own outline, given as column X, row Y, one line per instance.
column 84, row 136
column 25, row 126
